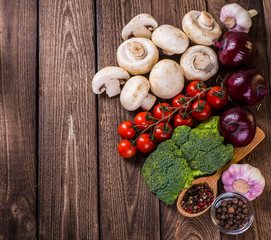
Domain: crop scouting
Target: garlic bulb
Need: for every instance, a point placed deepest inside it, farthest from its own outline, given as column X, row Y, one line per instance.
column 236, row 18
column 243, row 179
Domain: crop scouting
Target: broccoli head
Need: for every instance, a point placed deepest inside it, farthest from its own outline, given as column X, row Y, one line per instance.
column 211, row 161
column 181, row 135
column 190, row 153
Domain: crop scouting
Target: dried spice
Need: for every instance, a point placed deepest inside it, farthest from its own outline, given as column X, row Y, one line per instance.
column 197, row 198
column 232, row 214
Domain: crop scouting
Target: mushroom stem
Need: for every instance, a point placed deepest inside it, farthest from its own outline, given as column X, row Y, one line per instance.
column 148, row 102
column 112, row 88
column 202, row 61
column 137, row 50
column 206, row 19
column 229, row 22
column 241, row 186
column 252, row 12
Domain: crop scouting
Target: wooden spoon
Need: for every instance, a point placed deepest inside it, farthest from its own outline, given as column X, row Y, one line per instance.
column 238, row 154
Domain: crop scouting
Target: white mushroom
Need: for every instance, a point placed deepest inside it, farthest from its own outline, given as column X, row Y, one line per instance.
column 199, row 63
column 137, row 55
column 201, row 27
column 166, row 79
column 109, row 79
column 170, row 39
column 135, row 93
column 140, row 26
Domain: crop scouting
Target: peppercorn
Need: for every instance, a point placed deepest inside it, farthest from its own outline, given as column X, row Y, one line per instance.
column 197, row 198
column 232, row 214
column 231, row 210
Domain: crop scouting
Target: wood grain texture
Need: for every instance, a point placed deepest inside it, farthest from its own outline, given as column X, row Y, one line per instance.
column 173, row 224
column 18, row 32
column 128, row 210
column 68, row 188
column 260, row 156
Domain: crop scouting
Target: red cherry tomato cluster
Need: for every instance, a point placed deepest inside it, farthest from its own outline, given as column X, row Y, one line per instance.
column 201, row 108
column 149, row 128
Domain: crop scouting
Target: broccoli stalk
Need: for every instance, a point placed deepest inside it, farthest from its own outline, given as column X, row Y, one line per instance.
column 210, row 123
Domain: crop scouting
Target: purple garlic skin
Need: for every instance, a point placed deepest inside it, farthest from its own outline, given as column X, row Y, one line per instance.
column 243, row 179
column 236, row 18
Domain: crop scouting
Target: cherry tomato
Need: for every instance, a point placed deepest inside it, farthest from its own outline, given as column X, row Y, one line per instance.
column 126, row 130
column 179, row 100
column 216, row 98
column 145, row 144
column 159, row 114
column 194, row 88
column 126, row 149
column 163, row 132
column 180, row 120
column 204, row 110
column 140, row 119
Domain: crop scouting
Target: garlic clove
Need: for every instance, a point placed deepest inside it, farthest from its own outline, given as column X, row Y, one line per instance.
column 236, row 18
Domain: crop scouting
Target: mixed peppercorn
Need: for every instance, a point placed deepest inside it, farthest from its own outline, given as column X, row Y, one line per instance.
column 232, row 214
column 197, row 198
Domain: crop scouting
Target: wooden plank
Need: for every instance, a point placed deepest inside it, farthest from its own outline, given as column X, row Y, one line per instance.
column 68, row 195
column 128, row 210
column 260, row 156
column 18, row 37
column 174, row 225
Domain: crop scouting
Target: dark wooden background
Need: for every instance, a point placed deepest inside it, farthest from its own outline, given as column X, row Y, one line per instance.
column 60, row 174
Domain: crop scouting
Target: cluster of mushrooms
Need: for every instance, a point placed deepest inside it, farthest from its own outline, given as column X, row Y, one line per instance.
column 139, row 54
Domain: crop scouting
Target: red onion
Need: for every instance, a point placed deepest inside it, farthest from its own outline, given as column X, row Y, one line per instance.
column 246, row 86
column 237, row 125
column 236, row 49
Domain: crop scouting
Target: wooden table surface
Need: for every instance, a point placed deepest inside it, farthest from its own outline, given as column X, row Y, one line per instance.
column 60, row 174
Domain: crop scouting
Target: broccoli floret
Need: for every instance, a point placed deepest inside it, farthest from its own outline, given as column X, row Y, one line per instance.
column 181, row 135
column 189, row 151
column 211, row 161
column 166, row 175
column 167, row 145
column 155, row 169
column 178, row 153
column 205, row 139
column 179, row 177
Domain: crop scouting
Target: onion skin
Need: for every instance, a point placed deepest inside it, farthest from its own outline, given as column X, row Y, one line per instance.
column 236, row 49
column 237, row 125
column 246, row 86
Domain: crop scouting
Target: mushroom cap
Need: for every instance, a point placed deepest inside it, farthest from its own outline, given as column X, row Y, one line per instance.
column 134, row 92
column 201, row 28
column 199, row 63
column 109, row 79
column 137, row 55
column 170, row 39
column 140, row 26
column 166, row 79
